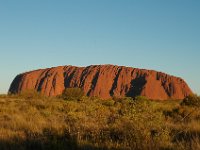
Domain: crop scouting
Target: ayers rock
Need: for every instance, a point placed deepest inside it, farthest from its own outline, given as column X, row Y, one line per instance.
column 103, row 81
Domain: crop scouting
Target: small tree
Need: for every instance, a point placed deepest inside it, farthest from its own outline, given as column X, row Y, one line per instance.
column 72, row 94
column 191, row 100
column 30, row 94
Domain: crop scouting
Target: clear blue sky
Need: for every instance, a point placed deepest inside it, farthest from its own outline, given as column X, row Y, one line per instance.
column 163, row 35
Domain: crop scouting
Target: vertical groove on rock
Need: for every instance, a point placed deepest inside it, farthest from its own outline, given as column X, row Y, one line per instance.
column 114, row 85
column 40, row 81
column 93, row 83
column 136, row 86
column 68, row 77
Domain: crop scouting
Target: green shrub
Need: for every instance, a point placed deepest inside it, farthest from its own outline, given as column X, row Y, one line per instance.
column 191, row 100
column 108, row 102
column 72, row 94
column 140, row 98
column 3, row 96
column 30, row 94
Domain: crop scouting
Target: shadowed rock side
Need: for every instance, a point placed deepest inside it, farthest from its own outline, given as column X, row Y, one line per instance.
column 103, row 81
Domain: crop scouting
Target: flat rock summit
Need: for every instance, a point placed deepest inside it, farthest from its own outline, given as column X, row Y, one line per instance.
column 103, row 81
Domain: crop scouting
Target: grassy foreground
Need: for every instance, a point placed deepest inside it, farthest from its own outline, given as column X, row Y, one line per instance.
column 91, row 123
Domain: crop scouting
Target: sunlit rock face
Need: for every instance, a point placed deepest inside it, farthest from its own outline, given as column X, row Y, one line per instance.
column 103, row 81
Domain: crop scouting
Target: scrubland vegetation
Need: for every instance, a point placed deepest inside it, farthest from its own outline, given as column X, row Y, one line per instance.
column 73, row 121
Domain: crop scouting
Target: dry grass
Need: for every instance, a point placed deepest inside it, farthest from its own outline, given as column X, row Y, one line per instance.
column 91, row 123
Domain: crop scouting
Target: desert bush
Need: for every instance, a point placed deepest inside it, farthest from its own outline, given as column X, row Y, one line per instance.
column 72, row 94
column 30, row 94
column 3, row 96
column 140, row 98
column 108, row 102
column 191, row 100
